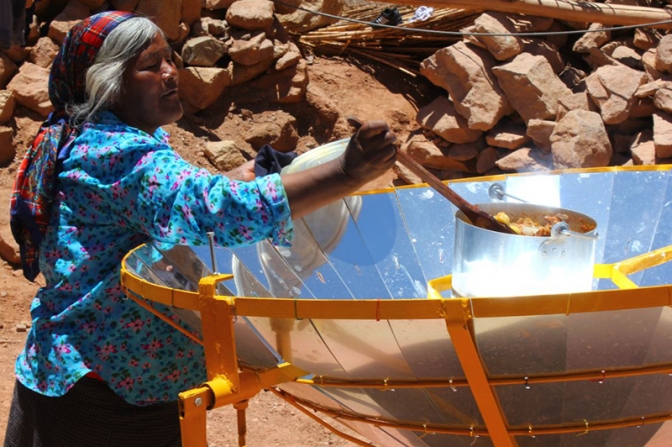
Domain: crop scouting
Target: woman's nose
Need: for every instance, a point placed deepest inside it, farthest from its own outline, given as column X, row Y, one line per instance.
column 169, row 71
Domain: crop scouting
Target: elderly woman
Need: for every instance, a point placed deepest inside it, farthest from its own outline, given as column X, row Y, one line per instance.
column 99, row 180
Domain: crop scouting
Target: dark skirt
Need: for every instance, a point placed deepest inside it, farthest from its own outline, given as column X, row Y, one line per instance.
column 90, row 414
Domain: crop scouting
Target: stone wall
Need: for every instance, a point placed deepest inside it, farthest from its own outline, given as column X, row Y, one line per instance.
column 218, row 44
column 511, row 103
column 517, row 103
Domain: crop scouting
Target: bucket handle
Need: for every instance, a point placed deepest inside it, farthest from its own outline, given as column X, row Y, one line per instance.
column 497, row 192
column 554, row 246
column 561, row 229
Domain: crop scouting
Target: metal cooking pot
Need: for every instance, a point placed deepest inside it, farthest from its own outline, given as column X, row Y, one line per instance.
column 493, row 264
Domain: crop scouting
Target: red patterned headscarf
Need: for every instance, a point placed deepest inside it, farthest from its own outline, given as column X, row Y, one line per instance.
column 35, row 185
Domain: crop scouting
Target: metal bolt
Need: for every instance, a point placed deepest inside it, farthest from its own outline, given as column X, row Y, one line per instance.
column 198, row 401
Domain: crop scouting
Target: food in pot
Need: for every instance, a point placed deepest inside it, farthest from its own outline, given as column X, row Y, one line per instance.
column 528, row 226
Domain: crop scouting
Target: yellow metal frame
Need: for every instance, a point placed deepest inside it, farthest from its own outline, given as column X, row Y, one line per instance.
column 229, row 385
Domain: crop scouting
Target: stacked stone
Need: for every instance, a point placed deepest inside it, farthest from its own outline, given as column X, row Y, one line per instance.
column 514, row 104
column 219, row 44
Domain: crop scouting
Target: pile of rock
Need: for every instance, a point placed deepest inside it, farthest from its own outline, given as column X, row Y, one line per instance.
column 515, row 104
column 219, row 44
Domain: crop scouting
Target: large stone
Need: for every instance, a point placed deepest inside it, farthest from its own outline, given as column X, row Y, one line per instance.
column 432, row 156
column 531, row 86
column 507, row 135
column 201, row 86
column 302, row 20
column 580, row 140
column 224, row 155
column 650, row 88
column 540, row 47
column 250, row 14
column 465, row 71
column 30, row 88
column 593, row 39
column 577, row 101
column 74, row 12
column 287, row 60
column 251, row 48
column 628, row 56
column 643, row 149
column 610, row 47
column 597, row 58
column 278, row 129
column 44, row 52
column 242, row 73
column 440, row 117
column 662, row 99
column 540, row 131
column 662, row 134
column 487, row 160
column 6, row 105
column 496, row 25
column 612, row 88
column 649, row 63
column 524, row 159
column 465, row 152
column 209, row 26
column 166, row 14
column 203, row 51
column 663, row 54
column 645, row 39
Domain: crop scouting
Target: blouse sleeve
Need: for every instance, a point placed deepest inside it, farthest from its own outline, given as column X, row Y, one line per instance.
column 179, row 203
column 160, row 194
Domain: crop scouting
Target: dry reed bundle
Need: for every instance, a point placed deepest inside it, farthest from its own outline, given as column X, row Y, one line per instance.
column 402, row 48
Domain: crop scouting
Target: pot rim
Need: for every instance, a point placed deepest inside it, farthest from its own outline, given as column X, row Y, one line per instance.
column 531, row 209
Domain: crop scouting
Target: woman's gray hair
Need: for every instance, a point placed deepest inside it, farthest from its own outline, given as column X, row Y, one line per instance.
column 104, row 79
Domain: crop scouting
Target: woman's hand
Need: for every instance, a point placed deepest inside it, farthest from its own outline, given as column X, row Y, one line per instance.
column 368, row 155
column 370, row 152
column 244, row 172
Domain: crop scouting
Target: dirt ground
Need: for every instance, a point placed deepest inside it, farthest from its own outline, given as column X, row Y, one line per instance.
column 357, row 88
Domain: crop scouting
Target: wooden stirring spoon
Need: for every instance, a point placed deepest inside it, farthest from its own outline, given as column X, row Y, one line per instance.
column 477, row 216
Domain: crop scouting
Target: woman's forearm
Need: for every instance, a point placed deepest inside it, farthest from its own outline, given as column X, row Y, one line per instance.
column 369, row 153
column 316, row 187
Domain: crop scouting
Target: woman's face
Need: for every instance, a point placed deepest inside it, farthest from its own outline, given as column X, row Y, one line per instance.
column 149, row 92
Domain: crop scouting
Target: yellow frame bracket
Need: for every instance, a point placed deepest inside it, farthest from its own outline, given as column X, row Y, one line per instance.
column 226, row 384
column 193, row 405
column 217, row 319
column 459, row 320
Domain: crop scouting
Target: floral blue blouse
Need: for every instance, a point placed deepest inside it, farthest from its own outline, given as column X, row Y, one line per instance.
column 119, row 188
